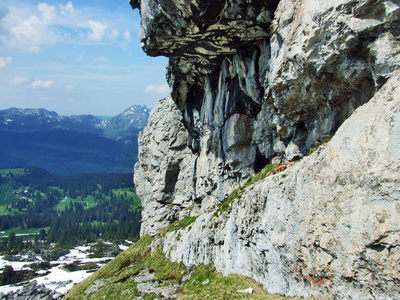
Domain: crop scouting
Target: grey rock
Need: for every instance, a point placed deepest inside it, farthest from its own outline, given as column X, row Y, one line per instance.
column 53, row 255
column 32, row 291
column 95, row 286
column 246, row 291
column 278, row 89
column 205, row 282
column 164, row 168
column 328, row 227
column 147, row 285
column 144, row 275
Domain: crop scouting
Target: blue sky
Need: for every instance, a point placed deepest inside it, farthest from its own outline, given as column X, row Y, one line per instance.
column 76, row 57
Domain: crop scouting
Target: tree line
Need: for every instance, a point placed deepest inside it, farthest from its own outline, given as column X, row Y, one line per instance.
column 114, row 217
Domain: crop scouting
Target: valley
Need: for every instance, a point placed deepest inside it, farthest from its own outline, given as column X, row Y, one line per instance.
column 66, row 225
column 70, row 209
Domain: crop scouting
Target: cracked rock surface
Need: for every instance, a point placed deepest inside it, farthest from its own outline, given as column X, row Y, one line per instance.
column 327, row 226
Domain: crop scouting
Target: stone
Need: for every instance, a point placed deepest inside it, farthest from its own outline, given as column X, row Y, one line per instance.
column 32, row 291
column 246, row 291
column 147, row 285
column 95, row 286
column 144, row 275
column 160, row 174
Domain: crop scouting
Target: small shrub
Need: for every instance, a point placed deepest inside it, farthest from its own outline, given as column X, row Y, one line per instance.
column 178, row 225
column 237, row 194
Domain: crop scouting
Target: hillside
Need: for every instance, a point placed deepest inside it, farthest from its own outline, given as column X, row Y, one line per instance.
column 71, row 209
column 70, row 145
column 236, row 169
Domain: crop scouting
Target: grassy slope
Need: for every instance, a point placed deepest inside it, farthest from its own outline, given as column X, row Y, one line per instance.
column 118, row 278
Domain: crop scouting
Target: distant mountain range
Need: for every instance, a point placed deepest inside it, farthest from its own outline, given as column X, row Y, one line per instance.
column 71, row 144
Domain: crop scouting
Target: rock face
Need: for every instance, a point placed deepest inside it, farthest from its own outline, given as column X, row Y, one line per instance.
column 281, row 86
column 259, row 82
column 164, row 172
column 328, row 225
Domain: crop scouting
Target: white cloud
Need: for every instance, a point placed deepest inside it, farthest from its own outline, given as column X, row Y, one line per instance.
column 98, row 30
column 4, row 61
column 28, row 27
column 69, row 87
column 41, row 84
column 27, row 34
column 27, row 30
column 67, row 9
column 157, row 89
column 20, row 80
column 127, row 36
column 101, row 59
column 114, row 34
column 48, row 12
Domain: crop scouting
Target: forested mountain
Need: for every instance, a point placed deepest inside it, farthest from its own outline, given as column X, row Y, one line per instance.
column 67, row 210
column 70, row 145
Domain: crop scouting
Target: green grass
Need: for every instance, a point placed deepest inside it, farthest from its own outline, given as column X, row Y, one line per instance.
column 129, row 194
column 28, row 233
column 90, row 200
column 220, row 287
column 20, row 230
column 237, row 194
column 116, row 274
column 178, row 225
column 15, row 172
column 8, row 197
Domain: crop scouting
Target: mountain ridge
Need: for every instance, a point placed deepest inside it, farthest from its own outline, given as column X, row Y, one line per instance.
column 74, row 144
column 132, row 119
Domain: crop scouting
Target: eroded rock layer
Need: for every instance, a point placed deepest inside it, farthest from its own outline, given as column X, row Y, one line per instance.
column 259, row 82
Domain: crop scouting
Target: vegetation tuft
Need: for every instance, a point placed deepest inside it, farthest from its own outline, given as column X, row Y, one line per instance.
column 324, row 141
column 178, row 225
column 237, row 194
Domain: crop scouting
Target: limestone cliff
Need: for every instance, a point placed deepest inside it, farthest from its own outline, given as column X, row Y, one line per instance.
column 260, row 82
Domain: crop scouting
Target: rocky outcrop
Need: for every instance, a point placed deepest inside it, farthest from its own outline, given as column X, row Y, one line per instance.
column 255, row 83
column 290, row 74
column 165, row 168
column 328, row 225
